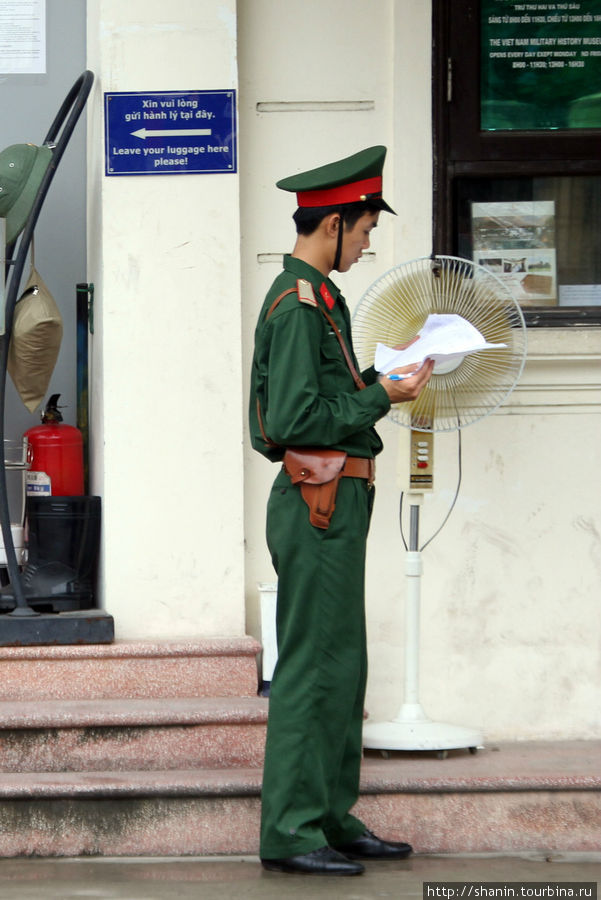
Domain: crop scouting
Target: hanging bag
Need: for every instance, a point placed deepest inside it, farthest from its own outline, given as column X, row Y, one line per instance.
column 35, row 340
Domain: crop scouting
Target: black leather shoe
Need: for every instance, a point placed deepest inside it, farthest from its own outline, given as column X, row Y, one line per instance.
column 324, row 861
column 368, row 846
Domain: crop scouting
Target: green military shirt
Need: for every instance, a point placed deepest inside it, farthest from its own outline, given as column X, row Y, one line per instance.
column 305, row 391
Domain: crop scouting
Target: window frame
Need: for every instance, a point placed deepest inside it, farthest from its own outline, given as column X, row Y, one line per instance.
column 461, row 150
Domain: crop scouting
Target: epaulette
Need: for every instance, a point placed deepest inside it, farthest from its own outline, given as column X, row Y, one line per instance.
column 305, row 292
column 305, row 295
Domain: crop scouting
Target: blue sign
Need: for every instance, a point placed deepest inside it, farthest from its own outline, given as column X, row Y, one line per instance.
column 173, row 133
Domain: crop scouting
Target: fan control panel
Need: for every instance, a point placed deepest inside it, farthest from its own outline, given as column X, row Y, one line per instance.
column 421, row 462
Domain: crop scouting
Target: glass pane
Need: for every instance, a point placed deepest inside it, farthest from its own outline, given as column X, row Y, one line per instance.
column 540, row 65
column 542, row 236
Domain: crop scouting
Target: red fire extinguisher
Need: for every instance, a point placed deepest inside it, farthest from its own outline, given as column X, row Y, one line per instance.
column 55, row 456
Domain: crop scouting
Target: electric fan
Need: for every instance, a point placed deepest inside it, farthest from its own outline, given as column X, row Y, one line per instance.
column 462, row 390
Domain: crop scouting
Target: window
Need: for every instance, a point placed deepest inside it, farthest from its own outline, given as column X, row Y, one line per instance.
column 517, row 130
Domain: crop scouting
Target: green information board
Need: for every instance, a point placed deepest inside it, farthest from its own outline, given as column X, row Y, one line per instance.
column 540, row 65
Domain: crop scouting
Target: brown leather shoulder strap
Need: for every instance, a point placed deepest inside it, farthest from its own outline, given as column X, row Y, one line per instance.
column 268, row 440
column 356, row 377
column 277, row 300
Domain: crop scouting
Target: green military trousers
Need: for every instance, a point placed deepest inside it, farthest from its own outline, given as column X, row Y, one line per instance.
column 313, row 751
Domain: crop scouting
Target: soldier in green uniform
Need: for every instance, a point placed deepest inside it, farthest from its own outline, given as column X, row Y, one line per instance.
column 311, row 409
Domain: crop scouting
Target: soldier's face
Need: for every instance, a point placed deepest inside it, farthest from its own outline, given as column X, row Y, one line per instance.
column 357, row 240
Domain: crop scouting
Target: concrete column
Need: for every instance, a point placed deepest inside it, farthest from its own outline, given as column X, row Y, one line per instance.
column 166, row 396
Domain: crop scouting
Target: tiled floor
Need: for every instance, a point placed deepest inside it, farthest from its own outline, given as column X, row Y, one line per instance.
column 242, row 877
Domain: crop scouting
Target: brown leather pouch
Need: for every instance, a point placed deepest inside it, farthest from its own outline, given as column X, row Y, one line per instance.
column 318, row 473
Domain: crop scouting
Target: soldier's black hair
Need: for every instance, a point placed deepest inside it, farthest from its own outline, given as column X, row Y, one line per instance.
column 307, row 218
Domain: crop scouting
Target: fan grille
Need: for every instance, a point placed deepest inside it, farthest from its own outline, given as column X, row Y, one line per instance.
column 395, row 308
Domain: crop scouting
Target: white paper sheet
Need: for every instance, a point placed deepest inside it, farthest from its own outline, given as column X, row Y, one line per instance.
column 444, row 338
column 22, row 37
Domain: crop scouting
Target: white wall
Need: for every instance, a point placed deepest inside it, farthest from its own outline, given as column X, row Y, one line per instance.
column 511, row 631
column 166, row 398
column 510, row 592
column 325, row 92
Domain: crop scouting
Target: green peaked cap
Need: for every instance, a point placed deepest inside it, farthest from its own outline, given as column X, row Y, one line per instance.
column 22, row 168
column 354, row 179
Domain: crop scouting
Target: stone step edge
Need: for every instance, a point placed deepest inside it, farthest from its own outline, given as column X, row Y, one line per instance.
column 126, row 713
column 244, row 782
column 205, row 647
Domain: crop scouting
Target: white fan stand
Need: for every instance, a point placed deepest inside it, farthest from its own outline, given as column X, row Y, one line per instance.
column 412, row 729
column 392, row 310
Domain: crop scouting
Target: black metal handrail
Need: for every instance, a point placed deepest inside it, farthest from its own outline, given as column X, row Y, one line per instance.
column 57, row 139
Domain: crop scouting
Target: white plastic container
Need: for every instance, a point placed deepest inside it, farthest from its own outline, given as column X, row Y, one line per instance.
column 268, row 594
column 16, row 464
column 17, row 532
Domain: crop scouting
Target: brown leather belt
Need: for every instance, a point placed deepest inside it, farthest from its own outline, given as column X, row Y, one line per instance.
column 357, row 467
column 317, row 472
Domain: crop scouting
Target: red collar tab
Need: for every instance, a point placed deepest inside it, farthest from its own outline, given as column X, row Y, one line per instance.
column 327, row 297
column 358, row 191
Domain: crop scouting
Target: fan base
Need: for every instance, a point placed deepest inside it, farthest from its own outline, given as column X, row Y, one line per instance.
column 423, row 735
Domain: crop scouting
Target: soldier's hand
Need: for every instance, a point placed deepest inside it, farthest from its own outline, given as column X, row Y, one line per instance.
column 411, row 385
column 407, row 344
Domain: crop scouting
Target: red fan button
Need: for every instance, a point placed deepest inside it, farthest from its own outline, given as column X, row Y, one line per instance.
column 422, row 465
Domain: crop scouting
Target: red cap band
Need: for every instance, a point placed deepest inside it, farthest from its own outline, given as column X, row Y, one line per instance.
column 345, row 193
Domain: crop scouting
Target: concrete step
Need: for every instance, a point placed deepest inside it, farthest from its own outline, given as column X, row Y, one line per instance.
column 516, row 797
column 154, row 734
column 200, row 812
column 213, row 667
